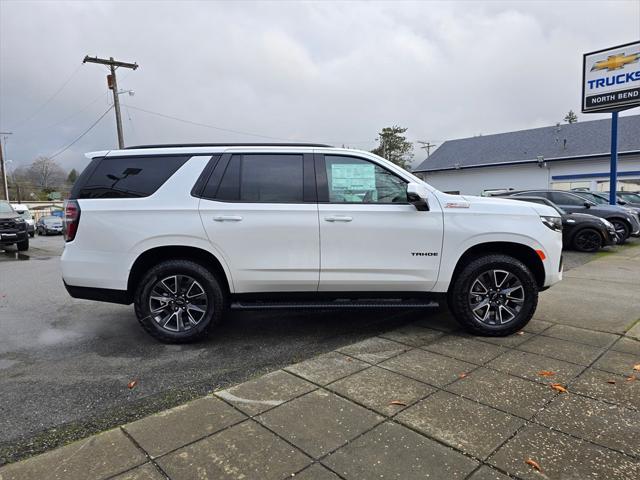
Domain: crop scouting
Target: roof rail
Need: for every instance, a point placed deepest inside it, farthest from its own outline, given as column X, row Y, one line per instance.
column 193, row 145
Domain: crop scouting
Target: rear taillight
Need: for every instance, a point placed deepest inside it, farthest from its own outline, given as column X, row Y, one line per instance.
column 71, row 219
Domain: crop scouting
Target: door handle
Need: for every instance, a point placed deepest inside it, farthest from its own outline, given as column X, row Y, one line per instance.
column 227, row 218
column 338, row 218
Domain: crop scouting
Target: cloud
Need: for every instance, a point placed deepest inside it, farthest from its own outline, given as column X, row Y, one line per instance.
column 332, row 72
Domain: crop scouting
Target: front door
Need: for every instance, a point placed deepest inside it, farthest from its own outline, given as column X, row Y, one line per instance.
column 371, row 238
column 260, row 214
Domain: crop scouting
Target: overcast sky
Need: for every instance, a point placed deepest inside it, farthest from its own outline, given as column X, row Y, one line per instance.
column 334, row 72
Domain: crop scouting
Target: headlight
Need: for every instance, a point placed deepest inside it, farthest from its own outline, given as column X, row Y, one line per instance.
column 554, row 223
column 19, row 220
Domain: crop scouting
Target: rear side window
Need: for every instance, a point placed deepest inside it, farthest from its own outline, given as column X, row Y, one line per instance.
column 565, row 199
column 126, row 177
column 260, row 178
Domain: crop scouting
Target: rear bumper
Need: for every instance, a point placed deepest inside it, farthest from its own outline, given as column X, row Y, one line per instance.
column 99, row 294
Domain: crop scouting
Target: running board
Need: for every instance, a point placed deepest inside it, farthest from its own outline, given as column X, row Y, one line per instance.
column 340, row 303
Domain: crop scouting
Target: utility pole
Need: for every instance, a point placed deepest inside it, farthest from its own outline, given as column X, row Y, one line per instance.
column 3, row 168
column 113, row 85
column 426, row 146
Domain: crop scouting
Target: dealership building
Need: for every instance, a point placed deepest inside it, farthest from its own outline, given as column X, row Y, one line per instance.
column 560, row 157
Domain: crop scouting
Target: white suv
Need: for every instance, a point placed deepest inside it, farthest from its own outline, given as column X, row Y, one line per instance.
column 186, row 231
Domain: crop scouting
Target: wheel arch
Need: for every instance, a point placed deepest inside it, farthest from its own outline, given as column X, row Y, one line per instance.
column 154, row 256
column 519, row 251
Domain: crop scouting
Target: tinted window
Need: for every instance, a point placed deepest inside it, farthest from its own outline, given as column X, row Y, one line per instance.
column 127, row 177
column 353, row 180
column 261, row 178
column 566, row 199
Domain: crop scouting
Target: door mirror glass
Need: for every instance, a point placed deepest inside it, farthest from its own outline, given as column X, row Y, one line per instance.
column 417, row 196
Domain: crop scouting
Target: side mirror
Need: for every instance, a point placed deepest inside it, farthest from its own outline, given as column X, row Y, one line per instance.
column 417, row 196
column 587, row 205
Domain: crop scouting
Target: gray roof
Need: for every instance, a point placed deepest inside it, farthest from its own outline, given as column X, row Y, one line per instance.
column 583, row 139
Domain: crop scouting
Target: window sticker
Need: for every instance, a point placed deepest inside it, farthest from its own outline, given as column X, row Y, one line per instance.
column 352, row 176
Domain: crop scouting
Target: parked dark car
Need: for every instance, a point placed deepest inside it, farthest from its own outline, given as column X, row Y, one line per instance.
column 49, row 225
column 631, row 198
column 13, row 228
column 580, row 231
column 602, row 198
column 625, row 222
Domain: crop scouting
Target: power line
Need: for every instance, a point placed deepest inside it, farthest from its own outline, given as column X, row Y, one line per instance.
column 52, row 156
column 50, row 99
column 190, row 122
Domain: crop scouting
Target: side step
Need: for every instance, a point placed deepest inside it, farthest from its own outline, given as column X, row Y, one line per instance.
column 339, row 303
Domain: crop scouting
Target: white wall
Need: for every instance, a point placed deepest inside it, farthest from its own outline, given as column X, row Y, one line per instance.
column 473, row 181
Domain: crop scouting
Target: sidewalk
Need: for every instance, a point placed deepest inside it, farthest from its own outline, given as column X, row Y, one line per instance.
column 422, row 401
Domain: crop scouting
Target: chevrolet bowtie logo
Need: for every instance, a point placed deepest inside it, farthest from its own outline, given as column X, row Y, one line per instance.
column 616, row 62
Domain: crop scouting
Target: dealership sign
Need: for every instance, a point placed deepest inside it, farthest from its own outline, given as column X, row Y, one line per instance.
column 611, row 79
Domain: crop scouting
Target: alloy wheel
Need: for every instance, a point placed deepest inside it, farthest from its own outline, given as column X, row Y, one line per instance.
column 588, row 241
column 178, row 303
column 496, row 297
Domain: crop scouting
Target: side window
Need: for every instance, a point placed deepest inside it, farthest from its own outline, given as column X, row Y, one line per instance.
column 353, row 180
column 565, row 199
column 260, row 178
column 127, row 177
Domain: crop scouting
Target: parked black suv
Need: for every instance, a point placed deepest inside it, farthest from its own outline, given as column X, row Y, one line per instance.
column 13, row 228
column 580, row 231
column 626, row 222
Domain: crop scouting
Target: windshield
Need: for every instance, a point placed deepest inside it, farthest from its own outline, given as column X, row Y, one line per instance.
column 630, row 197
column 52, row 220
column 5, row 208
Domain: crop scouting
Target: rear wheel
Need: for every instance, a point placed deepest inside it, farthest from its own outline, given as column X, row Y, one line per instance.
column 622, row 230
column 495, row 295
column 587, row 240
column 179, row 301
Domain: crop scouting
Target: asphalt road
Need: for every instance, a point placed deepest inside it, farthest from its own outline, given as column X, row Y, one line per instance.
column 65, row 363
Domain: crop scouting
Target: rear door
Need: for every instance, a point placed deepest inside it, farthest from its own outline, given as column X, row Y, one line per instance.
column 260, row 213
column 371, row 238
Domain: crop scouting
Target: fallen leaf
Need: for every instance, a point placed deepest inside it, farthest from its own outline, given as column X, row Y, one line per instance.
column 132, row 384
column 533, row 464
column 462, row 375
column 631, row 378
column 397, row 402
column 559, row 387
column 636, row 367
column 520, row 333
column 546, row 373
column 612, row 382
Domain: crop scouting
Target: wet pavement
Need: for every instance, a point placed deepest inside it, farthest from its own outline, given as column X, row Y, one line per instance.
column 65, row 366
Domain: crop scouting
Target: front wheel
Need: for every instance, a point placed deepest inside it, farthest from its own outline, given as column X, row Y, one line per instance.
column 622, row 230
column 23, row 246
column 179, row 301
column 587, row 240
column 495, row 295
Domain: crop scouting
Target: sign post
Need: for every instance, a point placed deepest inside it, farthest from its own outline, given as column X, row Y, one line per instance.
column 611, row 83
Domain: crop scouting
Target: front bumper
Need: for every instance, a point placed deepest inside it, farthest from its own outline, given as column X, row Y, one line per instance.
column 8, row 238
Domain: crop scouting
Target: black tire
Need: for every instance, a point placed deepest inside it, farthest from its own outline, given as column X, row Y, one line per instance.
column 587, row 240
column 204, row 279
column 460, row 296
column 23, row 246
column 622, row 230
column 32, row 234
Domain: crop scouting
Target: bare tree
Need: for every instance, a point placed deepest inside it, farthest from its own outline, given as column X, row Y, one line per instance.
column 46, row 174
